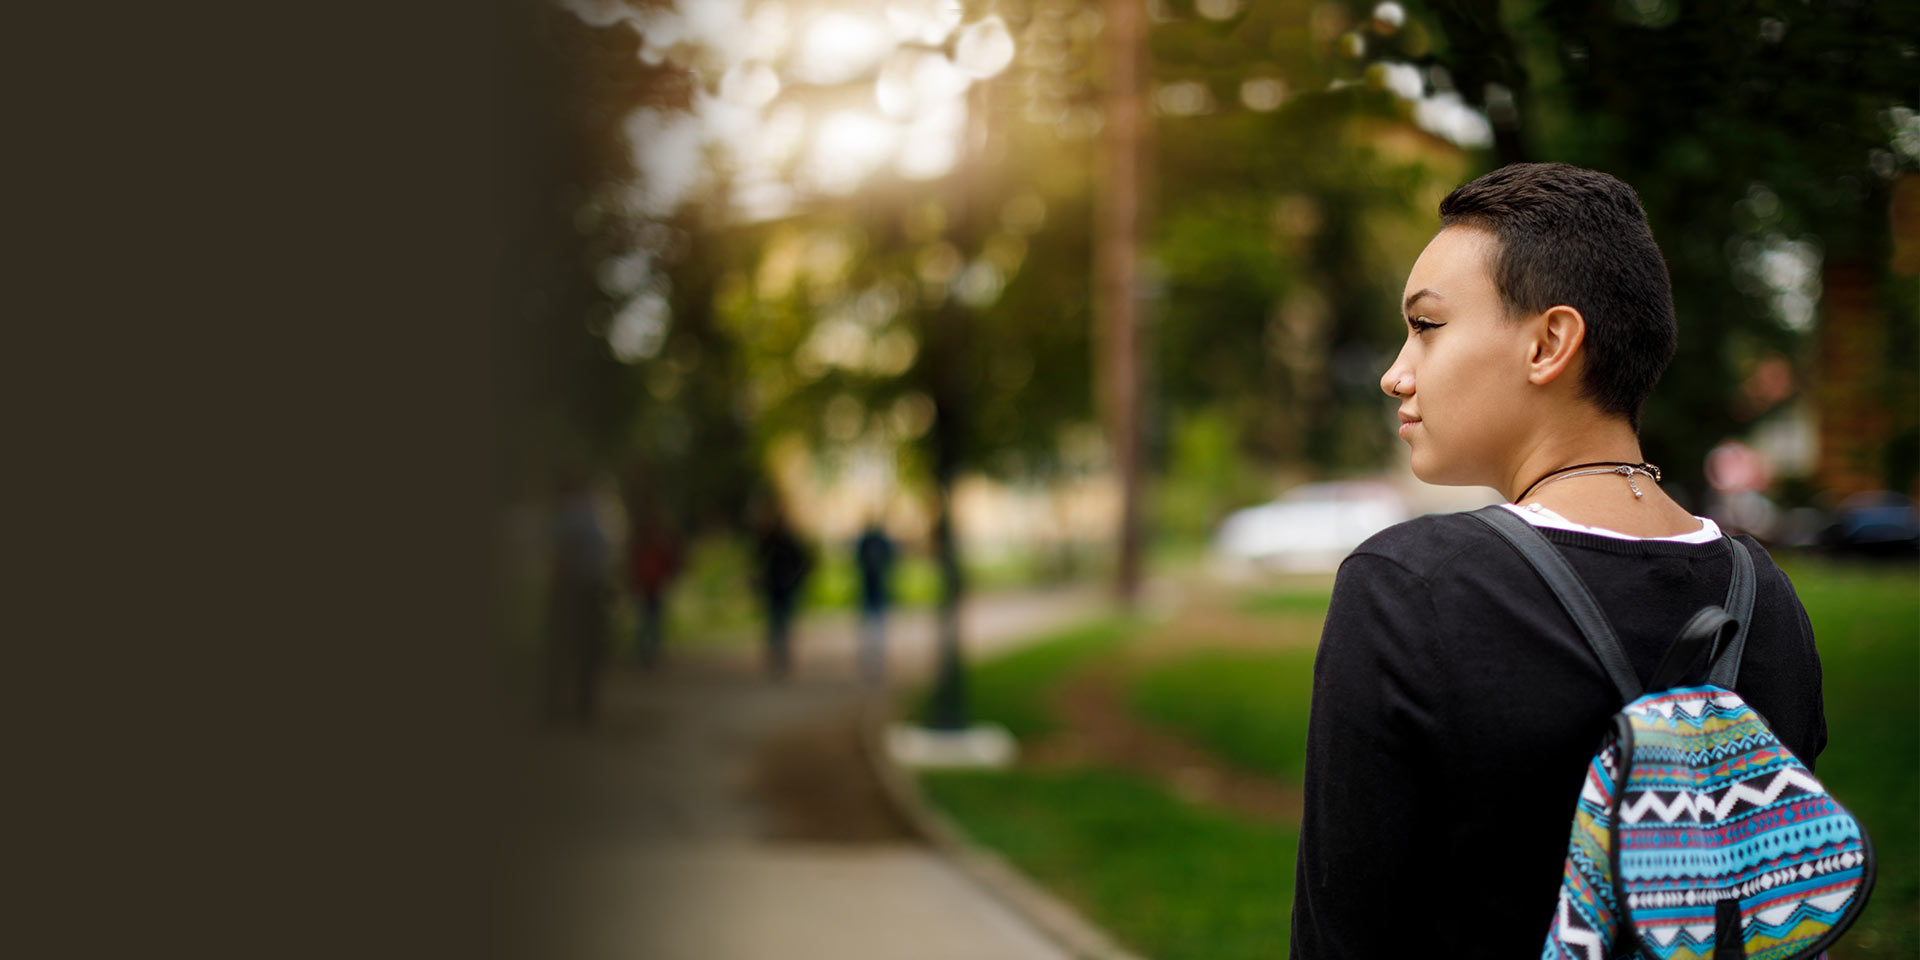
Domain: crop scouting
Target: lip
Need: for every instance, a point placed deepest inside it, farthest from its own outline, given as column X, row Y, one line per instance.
column 1407, row 420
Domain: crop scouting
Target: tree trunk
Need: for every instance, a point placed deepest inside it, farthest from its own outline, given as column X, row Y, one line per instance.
column 951, row 337
column 1118, row 220
column 948, row 707
column 1853, row 418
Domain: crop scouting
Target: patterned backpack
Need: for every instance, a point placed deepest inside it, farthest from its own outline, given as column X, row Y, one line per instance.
column 1697, row 833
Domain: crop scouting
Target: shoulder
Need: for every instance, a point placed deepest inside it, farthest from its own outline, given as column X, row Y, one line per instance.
column 1397, row 602
column 1426, row 546
column 1774, row 591
column 1765, row 570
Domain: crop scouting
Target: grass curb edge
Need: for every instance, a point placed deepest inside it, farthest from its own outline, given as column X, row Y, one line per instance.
column 1046, row 913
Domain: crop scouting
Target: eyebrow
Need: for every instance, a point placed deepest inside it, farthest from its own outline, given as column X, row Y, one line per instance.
column 1415, row 298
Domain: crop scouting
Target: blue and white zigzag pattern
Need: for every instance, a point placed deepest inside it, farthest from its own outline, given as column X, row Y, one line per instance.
column 1715, row 826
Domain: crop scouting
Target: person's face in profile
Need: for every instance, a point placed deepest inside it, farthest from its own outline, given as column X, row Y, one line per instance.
column 1461, row 376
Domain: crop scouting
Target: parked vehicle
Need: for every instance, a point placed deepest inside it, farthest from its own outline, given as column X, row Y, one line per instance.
column 1310, row 528
column 1881, row 523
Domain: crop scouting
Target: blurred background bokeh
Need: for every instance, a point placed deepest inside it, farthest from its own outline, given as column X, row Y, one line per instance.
column 1090, row 299
column 901, row 260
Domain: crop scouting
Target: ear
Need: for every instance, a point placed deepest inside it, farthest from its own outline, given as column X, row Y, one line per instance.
column 1559, row 333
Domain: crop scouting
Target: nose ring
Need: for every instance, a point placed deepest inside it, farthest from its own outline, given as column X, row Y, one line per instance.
column 1396, row 386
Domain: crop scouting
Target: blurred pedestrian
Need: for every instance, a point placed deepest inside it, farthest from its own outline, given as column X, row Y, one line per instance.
column 577, row 597
column 783, row 568
column 874, row 554
column 653, row 560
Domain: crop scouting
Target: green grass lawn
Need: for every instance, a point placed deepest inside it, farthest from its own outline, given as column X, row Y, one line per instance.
column 1298, row 600
column 1171, row 880
column 1866, row 621
column 1247, row 708
column 1012, row 690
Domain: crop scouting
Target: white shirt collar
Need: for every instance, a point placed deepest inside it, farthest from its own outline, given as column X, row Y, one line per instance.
column 1540, row 516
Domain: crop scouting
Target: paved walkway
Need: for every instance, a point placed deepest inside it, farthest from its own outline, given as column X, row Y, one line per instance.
column 715, row 815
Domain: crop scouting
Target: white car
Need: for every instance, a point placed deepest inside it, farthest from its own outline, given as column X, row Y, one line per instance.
column 1310, row 528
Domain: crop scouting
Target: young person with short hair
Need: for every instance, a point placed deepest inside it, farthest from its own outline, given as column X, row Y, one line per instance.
column 1455, row 703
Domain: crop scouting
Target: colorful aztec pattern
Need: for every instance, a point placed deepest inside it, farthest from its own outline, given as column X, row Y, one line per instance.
column 1695, row 825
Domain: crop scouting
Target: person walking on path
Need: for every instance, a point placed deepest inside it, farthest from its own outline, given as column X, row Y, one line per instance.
column 578, row 594
column 783, row 568
column 874, row 553
column 1455, row 704
column 653, row 560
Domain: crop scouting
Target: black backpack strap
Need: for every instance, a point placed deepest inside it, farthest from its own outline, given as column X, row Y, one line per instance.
column 1726, row 659
column 1704, row 632
column 1573, row 594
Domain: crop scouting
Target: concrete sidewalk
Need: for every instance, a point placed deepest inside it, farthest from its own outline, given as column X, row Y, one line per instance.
column 716, row 815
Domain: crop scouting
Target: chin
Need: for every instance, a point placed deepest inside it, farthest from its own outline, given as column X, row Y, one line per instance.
column 1428, row 468
column 1423, row 466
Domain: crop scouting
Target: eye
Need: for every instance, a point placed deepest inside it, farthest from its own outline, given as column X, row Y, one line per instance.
column 1422, row 324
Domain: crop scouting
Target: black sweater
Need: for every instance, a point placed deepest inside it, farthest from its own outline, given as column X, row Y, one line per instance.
column 1455, row 706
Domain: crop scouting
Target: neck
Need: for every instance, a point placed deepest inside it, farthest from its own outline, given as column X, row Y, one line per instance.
column 1596, row 439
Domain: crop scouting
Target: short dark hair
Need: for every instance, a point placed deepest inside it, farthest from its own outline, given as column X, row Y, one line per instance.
column 1573, row 236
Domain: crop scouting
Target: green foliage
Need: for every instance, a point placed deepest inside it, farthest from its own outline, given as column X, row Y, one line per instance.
column 1280, row 266
column 1249, row 709
column 1173, row 881
column 1206, row 476
column 575, row 409
column 1013, row 690
column 1739, row 127
column 1866, row 621
column 712, row 599
column 1030, row 352
column 1277, row 242
column 980, row 284
column 685, row 451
